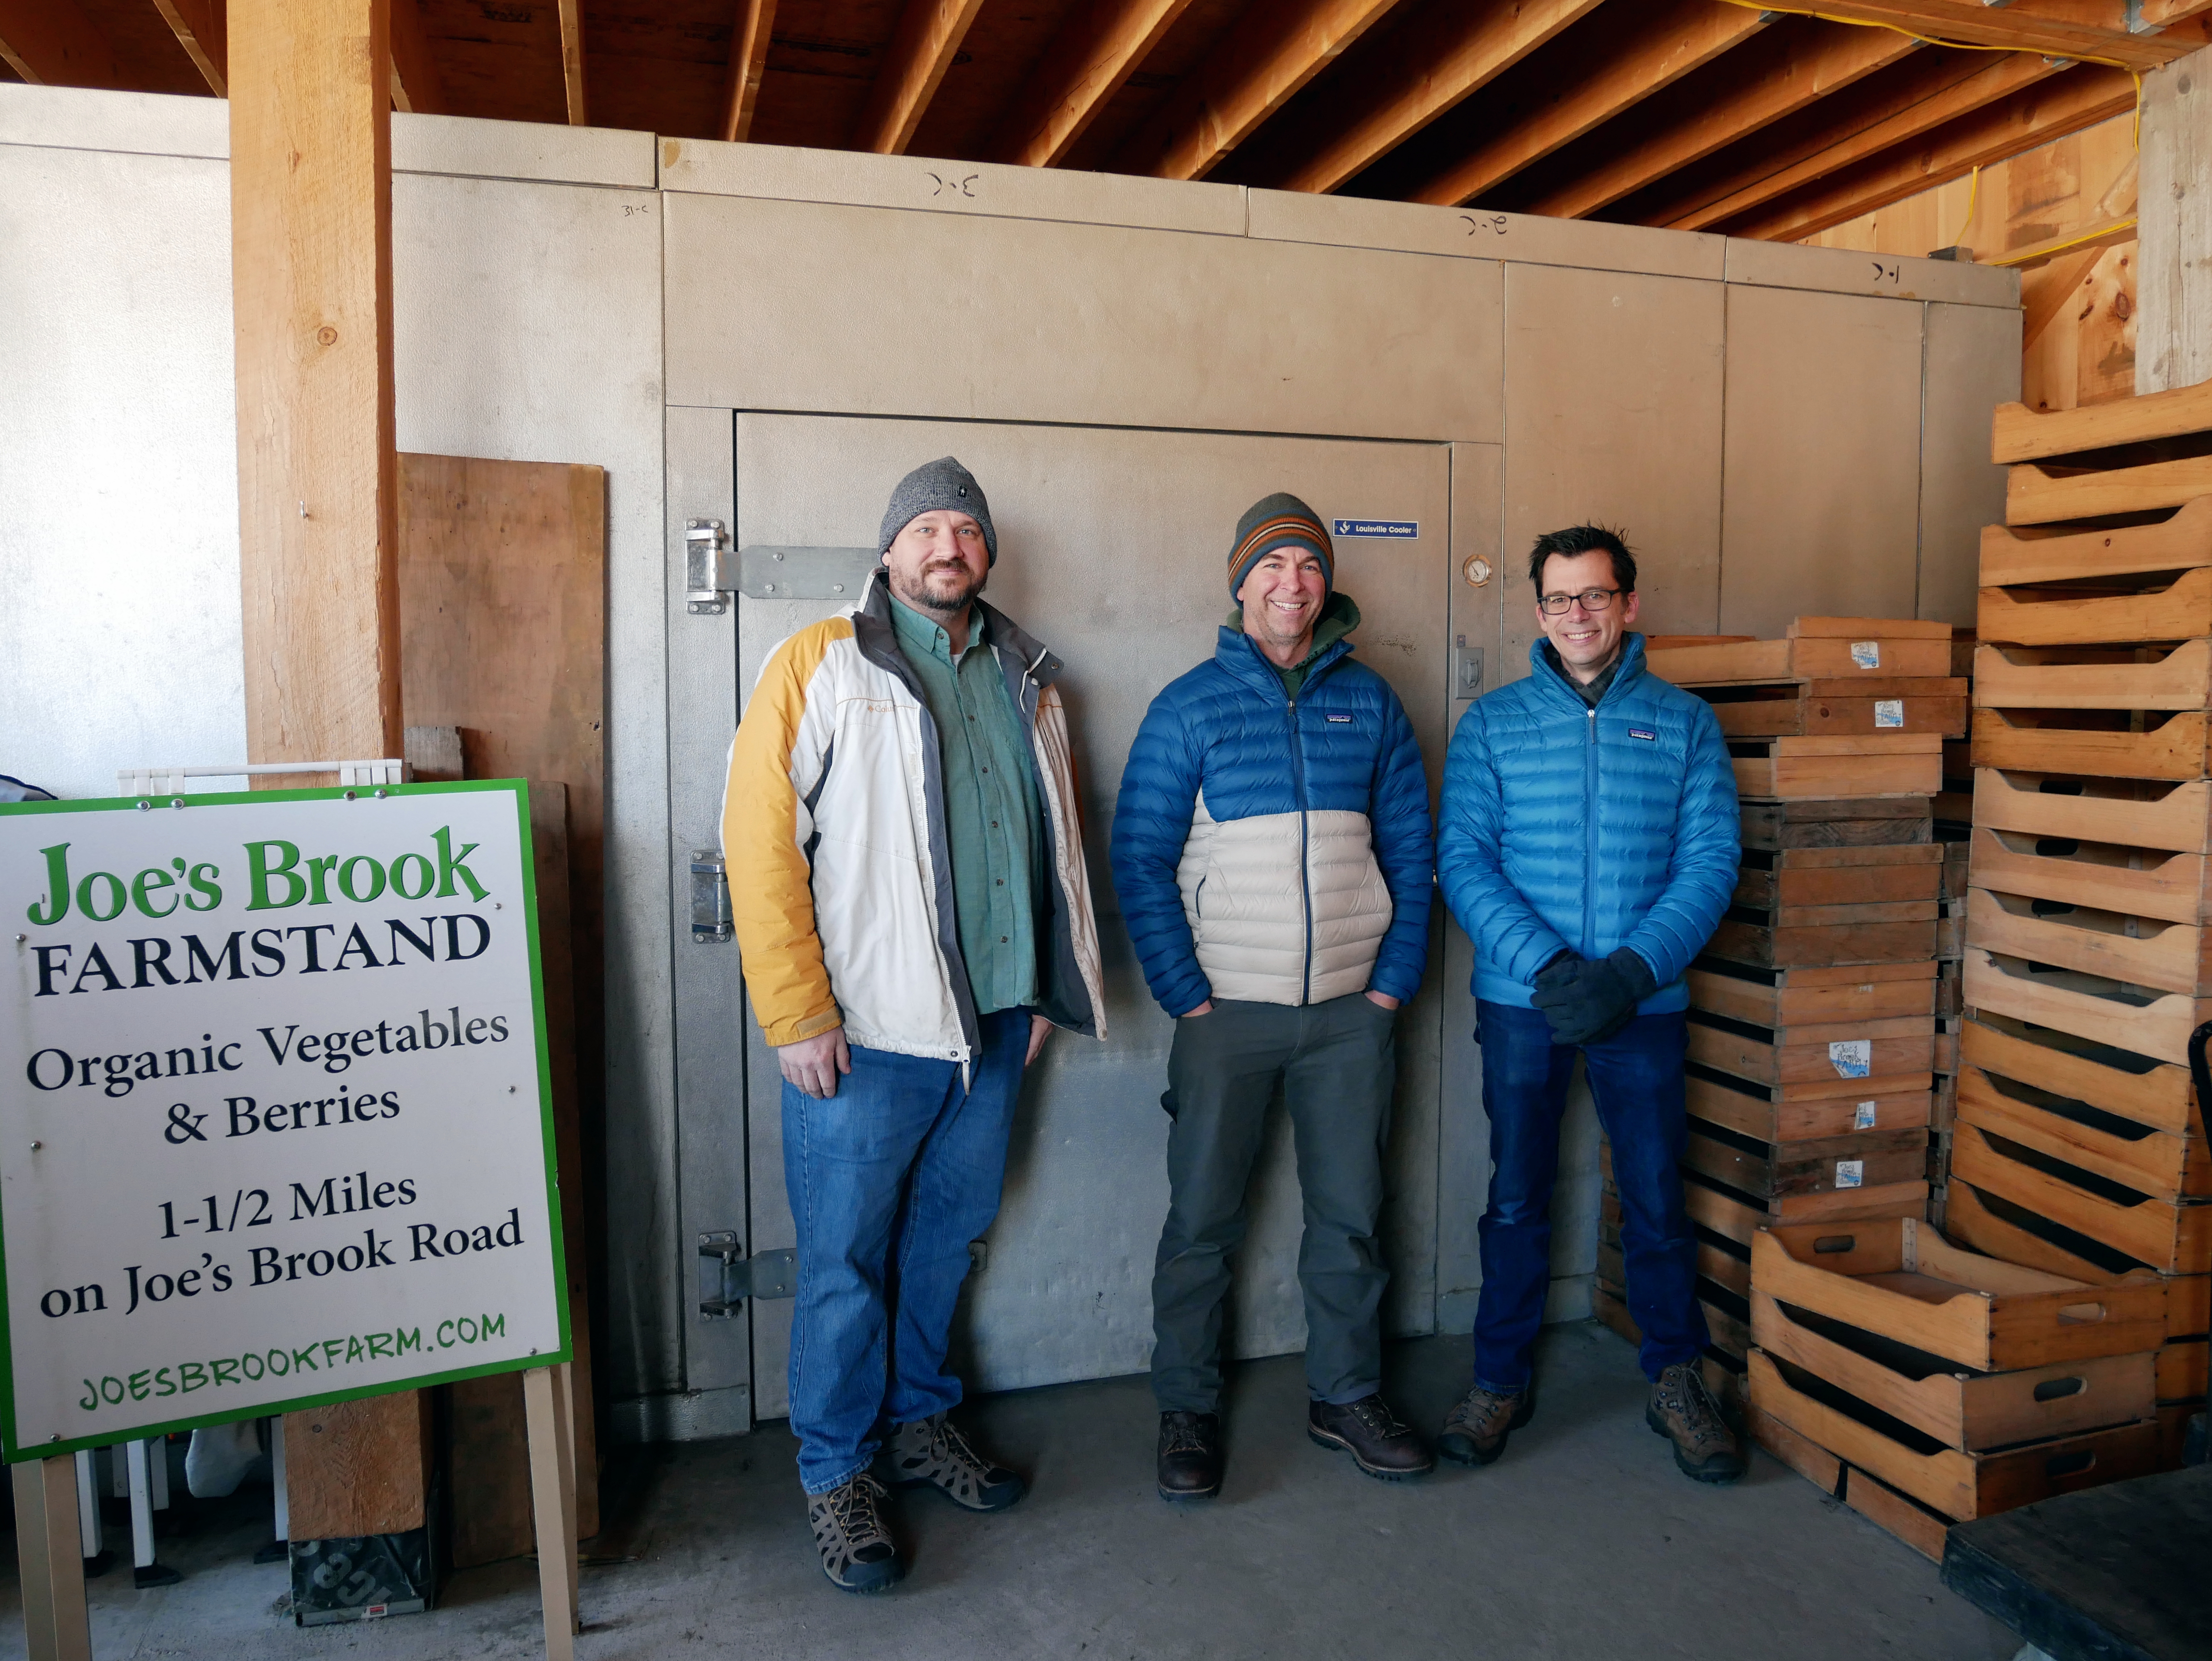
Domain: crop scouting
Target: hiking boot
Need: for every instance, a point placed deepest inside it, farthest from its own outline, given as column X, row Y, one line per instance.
column 1371, row 1432
column 1683, row 1410
column 1190, row 1456
column 857, row 1552
column 931, row 1450
column 1474, row 1431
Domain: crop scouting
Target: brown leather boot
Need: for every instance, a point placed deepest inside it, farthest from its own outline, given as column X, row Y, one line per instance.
column 1474, row 1431
column 1366, row 1429
column 1683, row 1410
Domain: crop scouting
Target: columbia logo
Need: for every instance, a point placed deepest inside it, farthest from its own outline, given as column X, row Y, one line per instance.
column 1344, row 720
column 1638, row 733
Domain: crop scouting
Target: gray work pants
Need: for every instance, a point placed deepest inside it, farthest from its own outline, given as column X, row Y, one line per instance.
column 1336, row 1065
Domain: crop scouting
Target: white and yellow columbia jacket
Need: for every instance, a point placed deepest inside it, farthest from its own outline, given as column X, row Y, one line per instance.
column 833, row 829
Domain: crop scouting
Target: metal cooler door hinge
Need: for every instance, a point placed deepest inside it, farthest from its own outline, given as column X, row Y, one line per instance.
column 727, row 1277
column 710, row 898
column 705, row 542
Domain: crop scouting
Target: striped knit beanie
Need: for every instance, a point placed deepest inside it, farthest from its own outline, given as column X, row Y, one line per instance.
column 1279, row 520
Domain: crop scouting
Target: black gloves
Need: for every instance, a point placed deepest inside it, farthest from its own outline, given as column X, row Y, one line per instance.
column 1588, row 1002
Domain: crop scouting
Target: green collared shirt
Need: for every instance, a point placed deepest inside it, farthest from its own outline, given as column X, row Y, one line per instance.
column 991, row 814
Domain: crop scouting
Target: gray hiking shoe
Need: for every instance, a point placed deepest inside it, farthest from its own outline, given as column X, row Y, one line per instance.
column 1683, row 1410
column 857, row 1552
column 931, row 1450
column 1474, row 1431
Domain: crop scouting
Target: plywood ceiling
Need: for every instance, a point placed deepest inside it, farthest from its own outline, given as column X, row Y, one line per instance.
column 1699, row 115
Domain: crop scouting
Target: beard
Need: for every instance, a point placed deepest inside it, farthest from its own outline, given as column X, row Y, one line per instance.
column 942, row 587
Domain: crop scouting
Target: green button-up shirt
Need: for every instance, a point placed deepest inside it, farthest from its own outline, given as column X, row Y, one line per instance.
column 992, row 814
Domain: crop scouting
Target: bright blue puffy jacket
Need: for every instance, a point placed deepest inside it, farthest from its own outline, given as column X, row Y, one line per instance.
column 1271, row 850
column 1565, row 828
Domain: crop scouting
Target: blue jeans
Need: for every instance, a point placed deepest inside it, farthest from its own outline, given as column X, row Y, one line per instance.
column 890, row 1180
column 1636, row 1077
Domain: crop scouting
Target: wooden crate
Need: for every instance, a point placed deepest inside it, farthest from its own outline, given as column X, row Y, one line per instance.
column 1804, row 996
column 2020, row 434
column 1770, row 1170
column 2085, row 1110
column 1974, row 1409
column 1713, row 1204
column 2148, row 1022
column 1837, row 1057
column 1809, row 1459
column 1816, row 1111
column 1836, row 822
column 1996, row 1228
column 1880, row 764
column 1946, row 1057
column 1720, row 1259
column 1958, row 852
column 1747, row 936
column 2142, row 882
column 1958, row 1483
column 2172, row 1236
column 1902, row 1279
column 1950, row 1000
column 2144, row 951
column 1839, row 876
column 1814, row 709
column 1888, row 656
column 2123, row 677
column 2184, row 1369
column 1921, row 1527
column 2176, row 543
column 2106, row 744
column 2046, row 492
column 1951, row 930
column 2156, row 605
column 2131, row 812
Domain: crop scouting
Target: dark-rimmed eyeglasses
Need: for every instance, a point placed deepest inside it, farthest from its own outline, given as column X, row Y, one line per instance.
column 1590, row 600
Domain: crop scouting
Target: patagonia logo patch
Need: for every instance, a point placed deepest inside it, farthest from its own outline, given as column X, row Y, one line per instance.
column 1341, row 721
column 1638, row 733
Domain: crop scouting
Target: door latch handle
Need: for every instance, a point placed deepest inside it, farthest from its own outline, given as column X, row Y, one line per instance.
column 710, row 898
column 705, row 542
column 727, row 1277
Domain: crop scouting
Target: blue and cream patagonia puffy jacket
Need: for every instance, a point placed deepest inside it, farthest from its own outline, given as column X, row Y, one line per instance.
column 1272, row 850
column 1566, row 828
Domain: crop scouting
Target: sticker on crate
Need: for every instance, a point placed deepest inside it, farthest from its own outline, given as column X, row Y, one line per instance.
column 1851, row 1173
column 1867, row 653
column 1889, row 712
column 1863, row 1116
column 1852, row 1058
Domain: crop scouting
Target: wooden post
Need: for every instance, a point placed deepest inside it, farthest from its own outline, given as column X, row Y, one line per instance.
column 311, row 252
column 553, row 1499
column 47, row 1540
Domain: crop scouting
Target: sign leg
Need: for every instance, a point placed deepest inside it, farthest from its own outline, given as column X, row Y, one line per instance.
column 87, row 1508
column 47, row 1537
column 564, row 1401
column 550, row 1475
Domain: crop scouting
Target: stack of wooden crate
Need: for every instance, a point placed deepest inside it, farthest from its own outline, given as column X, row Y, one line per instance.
column 1812, row 1021
column 2081, row 1144
column 1924, row 1385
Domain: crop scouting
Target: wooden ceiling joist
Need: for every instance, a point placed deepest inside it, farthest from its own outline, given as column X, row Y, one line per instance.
column 1576, row 93
column 416, row 85
column 1806, row 65
column 571, row 61
column 1095, row 52
column 1264, row 59
column 51, row 43
column 929, row 32
column 749, row 38
column 2051, row 27
column 1864, row 123
column 198, row 27
column 1444, row 57
column 2081, row 97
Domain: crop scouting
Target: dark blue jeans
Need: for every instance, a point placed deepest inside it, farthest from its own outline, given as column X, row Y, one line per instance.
column 890, row 1180
column 1636, row 1077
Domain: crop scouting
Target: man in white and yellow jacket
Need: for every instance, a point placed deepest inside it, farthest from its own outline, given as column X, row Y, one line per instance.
column 907, row 877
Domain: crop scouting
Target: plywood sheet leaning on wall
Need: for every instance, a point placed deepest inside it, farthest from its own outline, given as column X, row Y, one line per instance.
column 502, row 592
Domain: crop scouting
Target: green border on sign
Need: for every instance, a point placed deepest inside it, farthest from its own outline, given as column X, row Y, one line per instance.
column 12, row 1450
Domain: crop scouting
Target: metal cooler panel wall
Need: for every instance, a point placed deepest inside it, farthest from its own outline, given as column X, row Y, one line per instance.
column 884, row 312
column 1973, row 365
column 1114, row 549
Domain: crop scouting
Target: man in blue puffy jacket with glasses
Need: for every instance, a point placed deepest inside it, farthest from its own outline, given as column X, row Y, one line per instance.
column 1588, row 843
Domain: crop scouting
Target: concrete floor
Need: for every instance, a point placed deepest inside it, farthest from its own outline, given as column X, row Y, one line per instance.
column 1584, row 1541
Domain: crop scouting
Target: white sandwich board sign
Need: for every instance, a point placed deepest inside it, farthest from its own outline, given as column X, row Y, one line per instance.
column 276, row 1121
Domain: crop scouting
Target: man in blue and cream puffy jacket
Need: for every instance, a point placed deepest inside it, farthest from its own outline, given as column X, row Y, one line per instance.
column 1588, row 843
column 1273, row 855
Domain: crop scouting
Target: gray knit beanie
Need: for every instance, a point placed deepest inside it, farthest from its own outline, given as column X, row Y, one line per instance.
column 943, row 483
